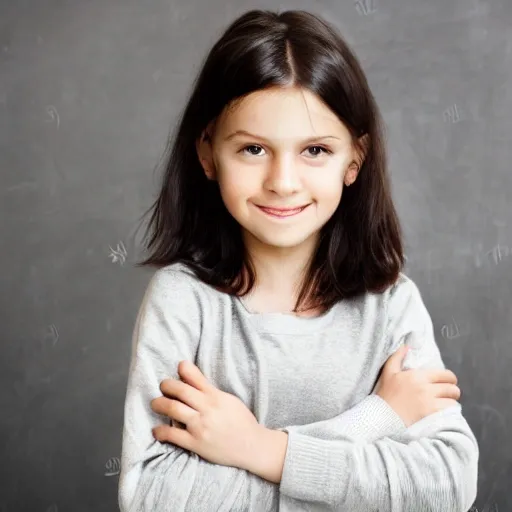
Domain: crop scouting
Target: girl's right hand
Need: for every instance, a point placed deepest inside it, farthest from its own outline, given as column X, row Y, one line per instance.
column 416, row 393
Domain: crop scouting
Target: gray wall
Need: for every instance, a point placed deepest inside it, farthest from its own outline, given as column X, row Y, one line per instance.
column 88, row 93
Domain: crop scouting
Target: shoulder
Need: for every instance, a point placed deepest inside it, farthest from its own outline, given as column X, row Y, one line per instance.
column 401, row 294
column 175, row 276
column 396, row 298
column 396, row 311
column 404, row 303
column 176, row 286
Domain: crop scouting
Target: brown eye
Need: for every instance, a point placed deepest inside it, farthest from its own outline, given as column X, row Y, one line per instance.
column 252, row 149
column 319, row 149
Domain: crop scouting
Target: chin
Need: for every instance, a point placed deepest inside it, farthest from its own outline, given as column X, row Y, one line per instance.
column 284, row 242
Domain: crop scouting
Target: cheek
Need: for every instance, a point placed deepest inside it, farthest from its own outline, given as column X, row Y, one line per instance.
column 236, row 187
column 328, row 188
column 332, row 199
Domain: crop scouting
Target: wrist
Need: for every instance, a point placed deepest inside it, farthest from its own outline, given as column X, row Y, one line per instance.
column 267, row 452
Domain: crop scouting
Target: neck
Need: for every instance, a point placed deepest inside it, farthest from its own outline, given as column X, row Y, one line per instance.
column 280, row 271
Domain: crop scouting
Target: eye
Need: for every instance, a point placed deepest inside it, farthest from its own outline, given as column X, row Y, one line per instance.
column 255, row 150
column 320, row 150
column 250, row 149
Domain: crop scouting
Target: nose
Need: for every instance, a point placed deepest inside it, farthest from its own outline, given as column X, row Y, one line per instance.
column 283, row 177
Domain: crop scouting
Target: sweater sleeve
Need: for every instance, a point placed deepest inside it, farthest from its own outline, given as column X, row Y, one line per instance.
column 155, row 476
column 346, row 465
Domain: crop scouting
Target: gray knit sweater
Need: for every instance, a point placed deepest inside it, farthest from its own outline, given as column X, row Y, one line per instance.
column 312, row 377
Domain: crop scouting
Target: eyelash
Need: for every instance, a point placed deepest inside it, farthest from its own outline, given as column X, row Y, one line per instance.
column 324, row 149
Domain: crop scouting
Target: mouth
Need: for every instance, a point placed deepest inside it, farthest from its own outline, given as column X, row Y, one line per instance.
column 282, row 212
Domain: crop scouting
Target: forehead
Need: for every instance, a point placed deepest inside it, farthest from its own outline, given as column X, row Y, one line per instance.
column 282, row 113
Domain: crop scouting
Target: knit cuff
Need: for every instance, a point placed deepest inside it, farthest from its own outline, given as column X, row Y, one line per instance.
column 306, row 471
column 369, row 420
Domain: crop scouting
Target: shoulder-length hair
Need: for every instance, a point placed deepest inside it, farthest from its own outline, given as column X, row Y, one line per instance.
column 360, row 247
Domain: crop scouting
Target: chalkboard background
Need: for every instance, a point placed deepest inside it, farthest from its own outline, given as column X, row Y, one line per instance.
column 89, row 90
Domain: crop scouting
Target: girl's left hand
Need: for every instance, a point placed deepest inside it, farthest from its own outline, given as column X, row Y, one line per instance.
column 219, row 426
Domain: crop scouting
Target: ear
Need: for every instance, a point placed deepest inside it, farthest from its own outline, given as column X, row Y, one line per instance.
column 205, row 154
column 355, row 166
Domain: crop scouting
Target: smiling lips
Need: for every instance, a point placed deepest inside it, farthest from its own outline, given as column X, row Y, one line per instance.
column 282, row 212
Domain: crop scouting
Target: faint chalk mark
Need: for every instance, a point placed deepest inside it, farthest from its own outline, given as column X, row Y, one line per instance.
column 51, row 334
column 157, row 74
column 54, row 115
column 452, row 331
column 452, row 114
column 496, row 255
column 52, row 508
column 118, row 254
column 366, row 7
column 113, row 466
column 21, row 186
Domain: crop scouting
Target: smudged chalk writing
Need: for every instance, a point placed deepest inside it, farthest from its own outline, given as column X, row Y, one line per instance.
column 495, row 255
column 52, row 508
column 366, row 7
column 453, row 331
column 51, row 334
column 53, row 114
column 452, row 114
column 118, row 254
column 113, row 466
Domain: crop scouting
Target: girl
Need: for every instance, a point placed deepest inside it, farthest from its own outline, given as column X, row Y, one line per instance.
column 268, row 369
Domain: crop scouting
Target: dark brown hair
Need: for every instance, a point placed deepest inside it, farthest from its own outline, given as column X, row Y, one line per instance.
column 360, row 247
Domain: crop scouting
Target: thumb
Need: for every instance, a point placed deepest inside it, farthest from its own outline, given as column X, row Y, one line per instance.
column 394, row 363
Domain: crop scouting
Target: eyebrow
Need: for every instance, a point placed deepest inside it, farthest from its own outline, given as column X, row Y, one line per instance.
column 253, row 136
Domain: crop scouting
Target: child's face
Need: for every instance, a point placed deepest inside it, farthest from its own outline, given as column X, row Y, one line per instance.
column 275, row 166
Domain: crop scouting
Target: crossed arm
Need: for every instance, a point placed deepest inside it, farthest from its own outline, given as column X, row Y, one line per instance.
column 362, row 460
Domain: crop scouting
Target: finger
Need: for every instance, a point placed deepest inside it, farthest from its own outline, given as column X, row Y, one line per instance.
column 447, row 391
column 174, row 435
column 442, row 376
column 173, row 409
column 182, row 391
column 445, row 403
column 192, row 375
column 394, row 362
